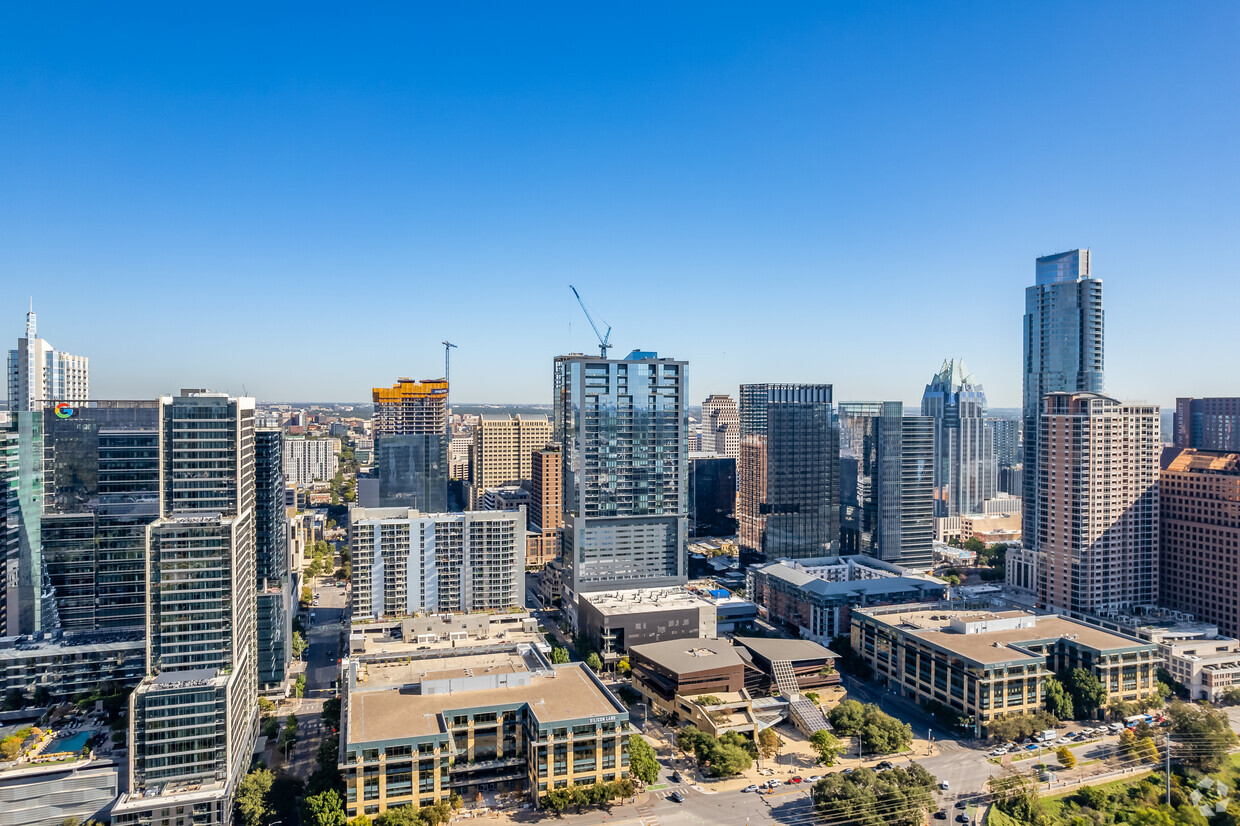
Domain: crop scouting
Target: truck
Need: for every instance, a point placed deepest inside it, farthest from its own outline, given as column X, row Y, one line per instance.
column 1046, row 736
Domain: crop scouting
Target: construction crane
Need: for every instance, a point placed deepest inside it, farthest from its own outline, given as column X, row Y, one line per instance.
column 604, row 339
column 448, row 347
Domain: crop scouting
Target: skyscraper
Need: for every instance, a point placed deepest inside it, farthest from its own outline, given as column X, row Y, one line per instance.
column 546, row 513
column 193, row 720
column 887, row 484
column 1098, row 503
column 411, row 445
column 1208, row 424
column 721, row 426
column 1007, row 441
column 622, row 425
column 1199, row 514
column 964, row 460
column 503, row 448
column 101, row 492
column 39, row 372
column 789, row 471
column 1063, row 352
column 274, row 585
column 28, row 606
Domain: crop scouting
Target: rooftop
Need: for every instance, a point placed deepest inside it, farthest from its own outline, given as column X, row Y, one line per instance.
column 689, row 655
column 773, row 648
column 392, row 714
column 1192, row 460
column 644, row 599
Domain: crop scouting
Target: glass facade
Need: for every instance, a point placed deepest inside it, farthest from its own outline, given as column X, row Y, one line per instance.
column 623, row 429
column 271, row 558
column 412, row 470
column 712, row 496
column 1063, row 352
column 965, row 473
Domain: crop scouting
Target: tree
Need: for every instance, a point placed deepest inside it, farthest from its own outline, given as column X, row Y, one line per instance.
column 1065, row 757
column 265, row 706
column 299, row 645
column 307, row 597
column 14, row 699
column 271, row 727
column 360, row 820
column 251, row 801
column 952, row 579
column 285, row 797
column 1206, row 736
column 1017, row 726
column 1058, row 702
column 559, row 655
column 324, row 809
column 593, row 661
column 884, row 734
column 331, row 713
column 299, row 687
column 643, row 761
column 974, row 544
column 1231, row 696
column 406, row 815
column 728, row 760
column 899, row 797
column 1088, row 694
column 768, row 743
column 10, row 748
column 847, row 717
column 1140, row 748
column 826, row 744
column 1015, row 795
column 624, row 666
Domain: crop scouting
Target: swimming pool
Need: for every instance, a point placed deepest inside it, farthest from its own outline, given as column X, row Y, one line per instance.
column 73, row 744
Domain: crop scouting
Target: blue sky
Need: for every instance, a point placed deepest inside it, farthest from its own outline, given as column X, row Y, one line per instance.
column 305, row 199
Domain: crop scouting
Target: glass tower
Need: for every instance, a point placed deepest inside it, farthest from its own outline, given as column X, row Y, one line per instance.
column 964, row 452
column 275, row 596
column 1063, row 352
column 622, row 425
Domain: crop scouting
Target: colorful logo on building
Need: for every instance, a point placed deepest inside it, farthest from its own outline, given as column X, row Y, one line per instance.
column 63, row 410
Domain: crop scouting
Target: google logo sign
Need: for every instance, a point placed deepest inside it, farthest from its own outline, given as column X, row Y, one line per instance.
column 63, row 410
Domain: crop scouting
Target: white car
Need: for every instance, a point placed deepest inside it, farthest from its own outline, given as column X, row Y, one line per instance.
column 813, row 778
column 775, row 781
column 998, row 752
column 753, row 788
column 1063, row 741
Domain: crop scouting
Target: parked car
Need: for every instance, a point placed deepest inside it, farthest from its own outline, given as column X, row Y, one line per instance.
column 961, row 804
column 751, row 788
column 944, row 785
column 1031, row 747
column 886, row 764
column 848, row 771
column 796, row 778
column 813, row 778
column 675, row 777
column 775, row 781
column 940, row 815
column 962, row 818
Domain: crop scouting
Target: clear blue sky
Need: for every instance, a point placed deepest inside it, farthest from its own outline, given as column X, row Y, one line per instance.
column 305, row 199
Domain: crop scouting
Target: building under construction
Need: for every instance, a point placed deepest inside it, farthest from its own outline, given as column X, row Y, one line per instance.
column 411, row 446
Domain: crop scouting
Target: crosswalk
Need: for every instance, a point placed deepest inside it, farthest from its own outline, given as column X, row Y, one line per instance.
column 647, row 816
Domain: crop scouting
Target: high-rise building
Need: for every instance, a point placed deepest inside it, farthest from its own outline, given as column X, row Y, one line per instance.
column 721, row 426
column 405, row 561
column 411, row 445
column 1199, row 515
column 28, row 606
column 887, row 485
column 502, row 451
column 712, row 495
column 789, row 471
column 1007, row 441
column 964, row 452
column 194, row 719
column 275, row 598
column 310, row 460
column 101, row 491
column 1063, row 335
column 1208, row 424
column 546, row 512
column 622, row 426
column 38, row 372
column 1098, row 514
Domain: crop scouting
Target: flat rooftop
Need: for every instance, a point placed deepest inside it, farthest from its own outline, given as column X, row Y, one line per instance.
column 690, row 655
column 774, row 648
column 372, row 674
column 393, row 714
column 987, row 647
column 636, row 600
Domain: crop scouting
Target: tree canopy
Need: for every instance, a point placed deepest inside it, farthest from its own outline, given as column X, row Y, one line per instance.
column 899, row 797
column 643, row 761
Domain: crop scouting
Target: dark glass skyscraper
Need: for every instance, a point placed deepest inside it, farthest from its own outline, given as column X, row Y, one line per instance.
column 411, row 446
column 1063, row 352
column 275, row 590
column 712, row 495
column 789, row 471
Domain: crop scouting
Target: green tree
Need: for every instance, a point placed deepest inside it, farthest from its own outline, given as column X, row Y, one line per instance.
column 1065, row 757
column 1088, row 694
column 265, row 706
column 1017, row 726
column 974, row 544
column 624, row 666
column 728, row 760
column 557, row 800
column 768, row 743
column 952, row 579
column 899, row 797
column 360, row 820
column 1058, row 701
column 299, row 645
column 643, row 761
column 41, row 697
column 1208, row 732
column 331, row 713
column 593, row 661
column 884, row 734
column 399, row 816
column 1231, row 696
column 1015, row 795
column 559, row 655
column 271, row 727
column 299, row 687
column 323, row 809
column 251, row 801
column 847, row 717
column 827, row 745
column 285, row 797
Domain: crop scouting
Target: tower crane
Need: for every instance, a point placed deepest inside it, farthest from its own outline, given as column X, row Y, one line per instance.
column 448, row 347
column 604, row 339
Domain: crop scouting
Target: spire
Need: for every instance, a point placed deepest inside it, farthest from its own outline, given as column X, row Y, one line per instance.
column 31, row 327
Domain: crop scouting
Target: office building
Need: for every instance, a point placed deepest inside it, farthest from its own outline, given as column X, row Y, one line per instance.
column 101, row 486
column 54, row 794
column 887, row 484
column 110, row 663
column 405, row 561
column 194, row 719
column 789, row 471
column 712, row 495
column 38, row 372
column 721, row 426
column 310, row 460
column 502, row 451
column 622, row 427
column 613, row 622
column 1206, row 664
column 546, row 511
column 1007, row 442
column 1098, row 514
column 274, row 583
column 1199, row 518
column 460, row 449
column 29, row 607
column 964, row 451
column 987, row 664
column 411, row 446
column 1063, row 338
column 1207, row 424
column 419, row 726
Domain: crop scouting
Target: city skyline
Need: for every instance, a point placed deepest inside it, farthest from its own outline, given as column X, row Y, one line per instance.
column 826, row 169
